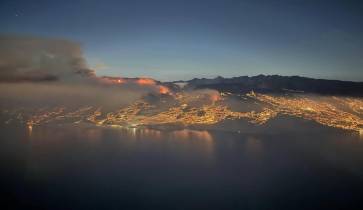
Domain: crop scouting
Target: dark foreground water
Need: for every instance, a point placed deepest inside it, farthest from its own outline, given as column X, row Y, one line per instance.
column 64, row 167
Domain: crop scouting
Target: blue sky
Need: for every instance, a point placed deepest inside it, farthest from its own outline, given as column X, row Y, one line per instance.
column 171, row 40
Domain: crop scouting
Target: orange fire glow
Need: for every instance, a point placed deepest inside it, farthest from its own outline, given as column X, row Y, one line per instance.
column 215, row 97
column 120, row 81
column 163, row 90
column 112, row 80
column 145, row 81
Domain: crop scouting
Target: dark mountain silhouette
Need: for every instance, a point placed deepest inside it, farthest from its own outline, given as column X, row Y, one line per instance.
column 279, row 84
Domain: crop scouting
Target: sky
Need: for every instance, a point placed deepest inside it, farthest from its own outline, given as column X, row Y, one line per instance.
column 172, row 40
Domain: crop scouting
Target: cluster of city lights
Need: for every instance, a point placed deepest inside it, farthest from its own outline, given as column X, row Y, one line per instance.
column 191, row 109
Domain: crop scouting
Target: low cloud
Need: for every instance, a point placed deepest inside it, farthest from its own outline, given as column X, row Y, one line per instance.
column 49, row 94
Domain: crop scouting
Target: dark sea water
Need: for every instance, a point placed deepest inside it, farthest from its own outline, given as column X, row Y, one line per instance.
column 88, row 167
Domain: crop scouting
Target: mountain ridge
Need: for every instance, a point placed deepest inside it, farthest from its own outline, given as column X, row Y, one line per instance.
column 277, row 84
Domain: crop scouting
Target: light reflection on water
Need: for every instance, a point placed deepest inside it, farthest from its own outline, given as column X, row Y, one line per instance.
column 30, row 130
column 208, row 169
column 198, row 142
column 253, row 147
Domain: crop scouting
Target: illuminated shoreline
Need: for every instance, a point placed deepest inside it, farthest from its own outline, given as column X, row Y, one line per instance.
column 207, row 109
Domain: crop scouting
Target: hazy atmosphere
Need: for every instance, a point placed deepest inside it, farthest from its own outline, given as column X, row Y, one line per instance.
column 220, row 105
column 172, row 40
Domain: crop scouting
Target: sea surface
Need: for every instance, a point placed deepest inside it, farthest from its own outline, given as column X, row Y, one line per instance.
column 69, row 167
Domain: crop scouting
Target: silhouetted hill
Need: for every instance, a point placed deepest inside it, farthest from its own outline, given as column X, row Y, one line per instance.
column 277, row 84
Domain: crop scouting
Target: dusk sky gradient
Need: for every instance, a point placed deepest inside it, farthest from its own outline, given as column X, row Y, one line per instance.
column 172, row 40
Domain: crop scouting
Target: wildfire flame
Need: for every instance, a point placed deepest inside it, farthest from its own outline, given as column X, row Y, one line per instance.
column 163, row 90
column 112, row 80
column 139, row 81
column 120, row 81
column 215, row 97
column 145, row 81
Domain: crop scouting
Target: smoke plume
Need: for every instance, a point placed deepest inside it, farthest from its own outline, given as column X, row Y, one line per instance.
column 40, row 59
column 45, row 71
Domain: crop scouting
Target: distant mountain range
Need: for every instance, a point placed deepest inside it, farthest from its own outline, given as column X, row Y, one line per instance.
column 277, row 84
